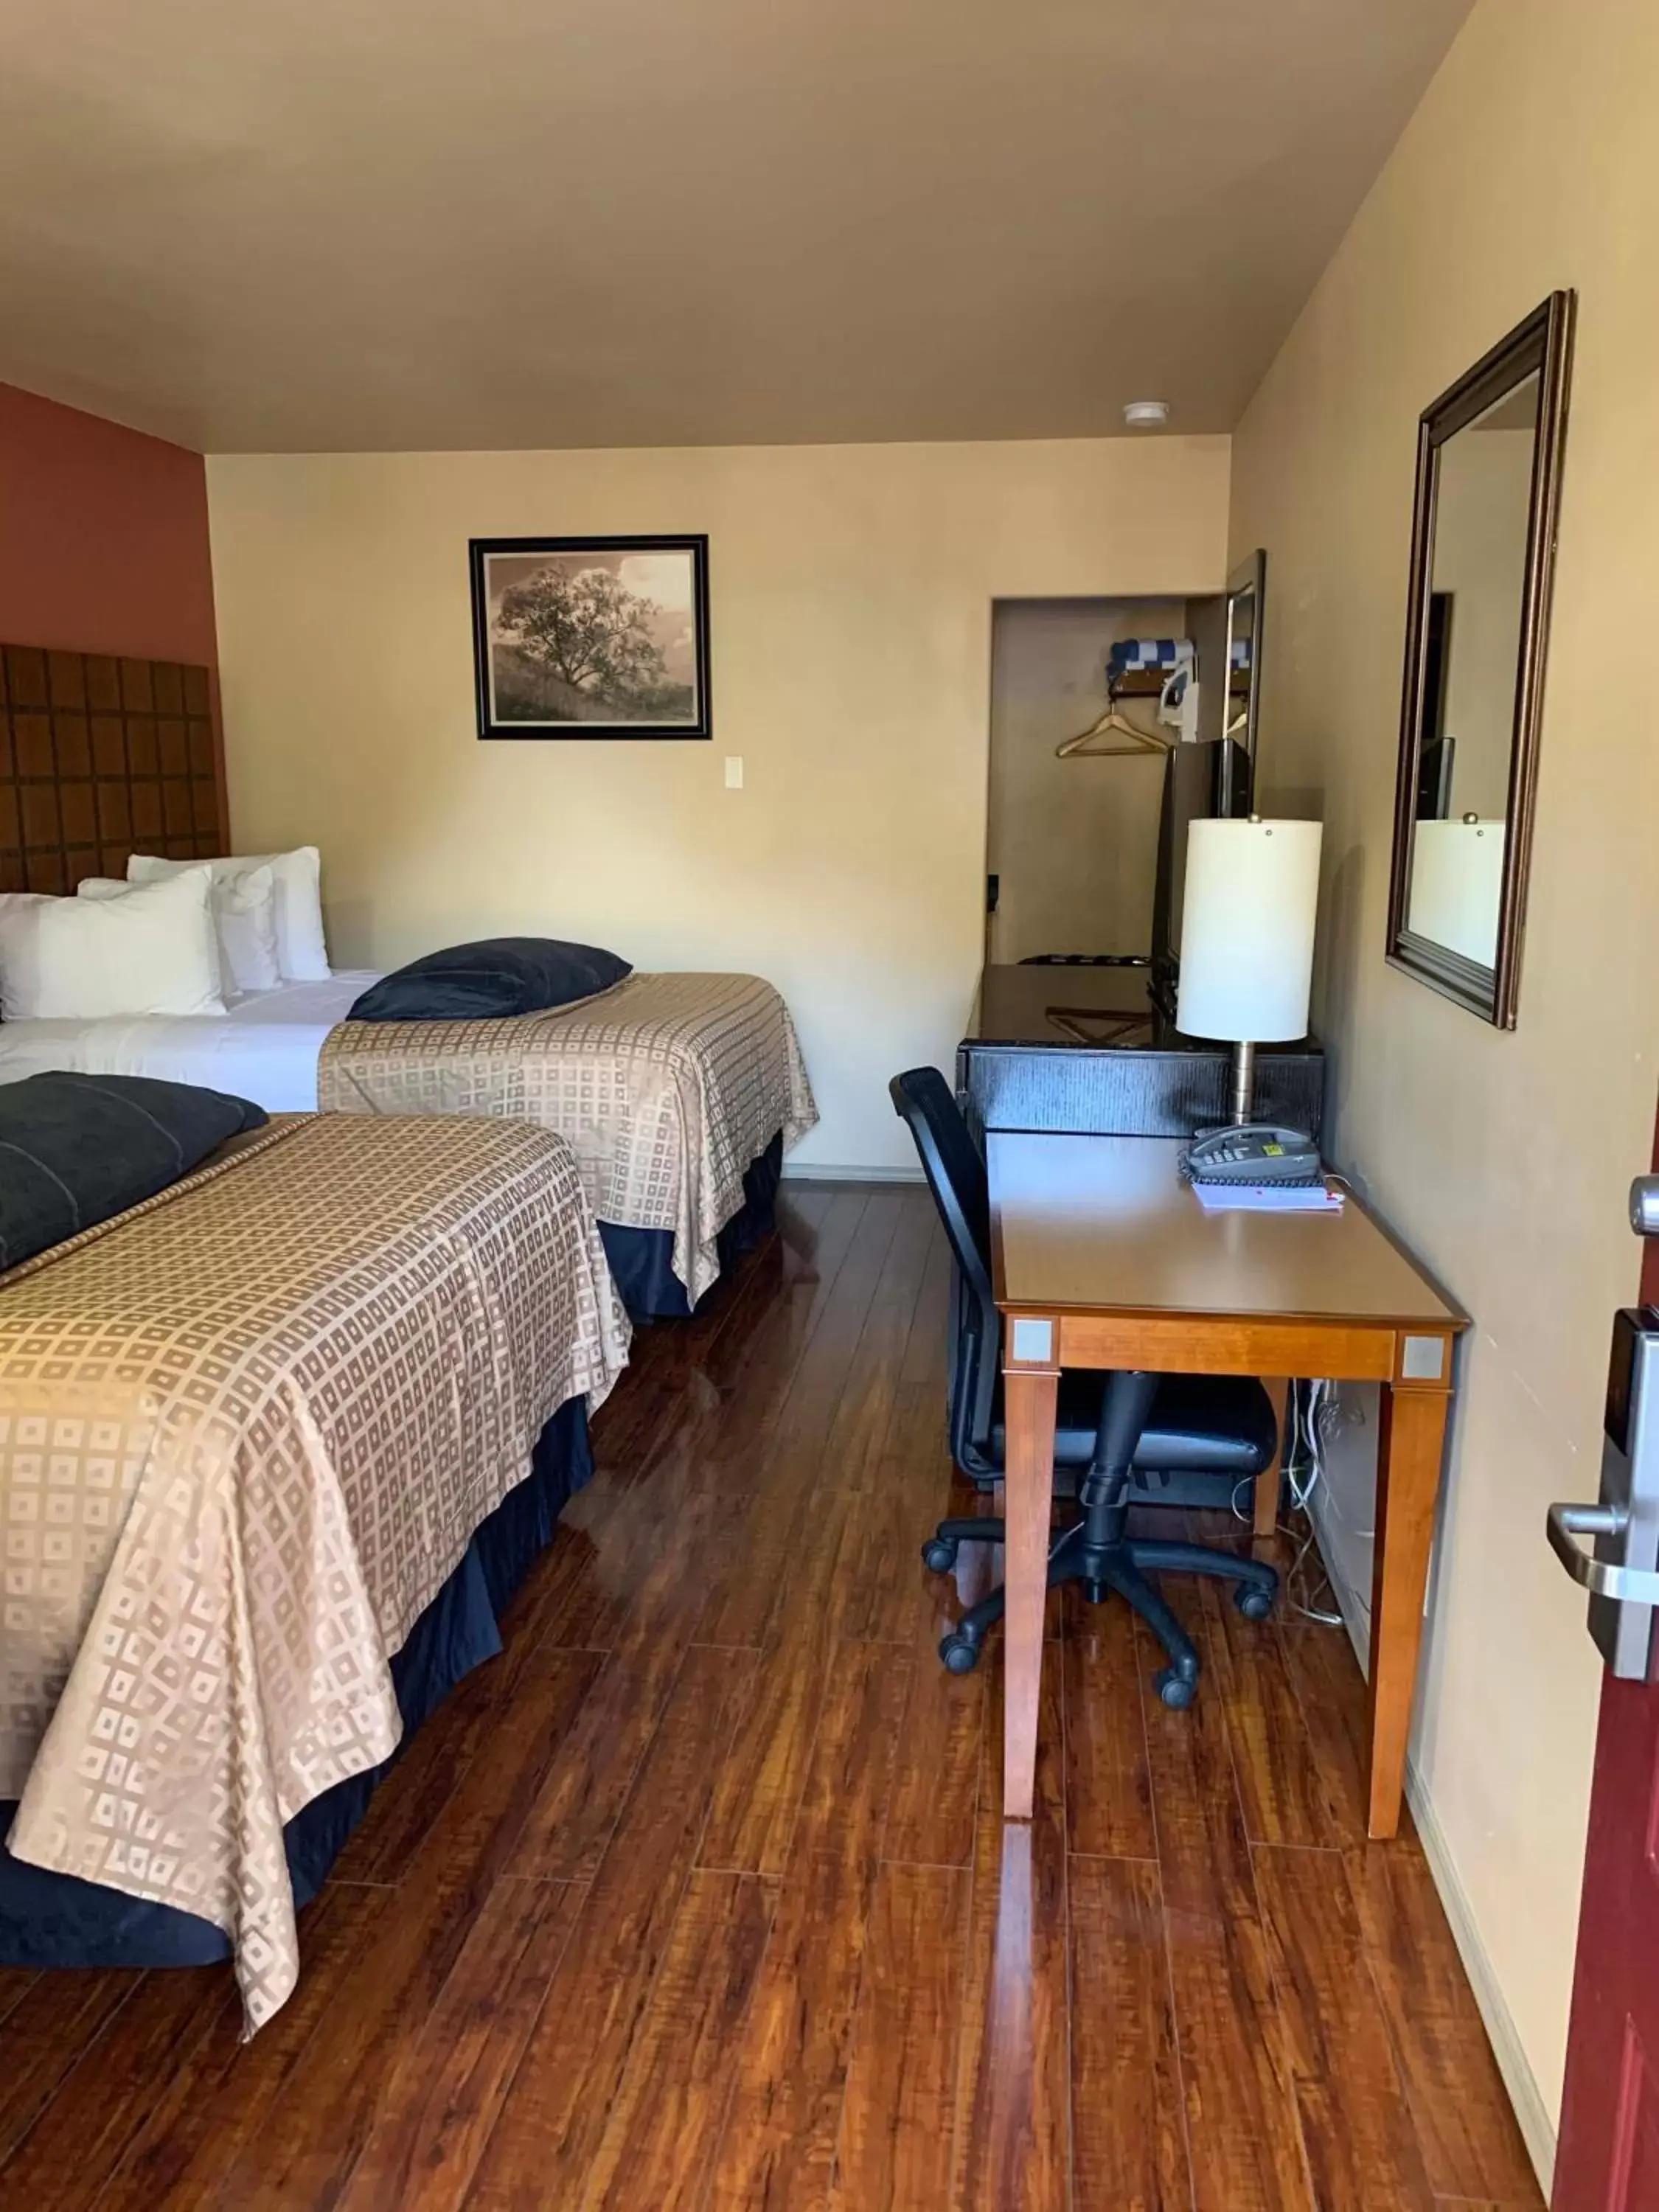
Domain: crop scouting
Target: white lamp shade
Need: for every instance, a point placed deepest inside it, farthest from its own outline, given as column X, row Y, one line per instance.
column 1247, row 930
column 1457, row 885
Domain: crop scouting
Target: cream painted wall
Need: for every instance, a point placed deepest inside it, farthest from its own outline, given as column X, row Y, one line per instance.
column 1074, row 843
column 851, row 591
column 1531, row 162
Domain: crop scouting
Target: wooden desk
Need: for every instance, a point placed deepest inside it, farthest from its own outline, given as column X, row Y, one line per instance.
column 1103, row 1258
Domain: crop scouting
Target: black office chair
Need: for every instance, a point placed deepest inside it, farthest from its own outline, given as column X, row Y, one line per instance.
column 1116, row 1427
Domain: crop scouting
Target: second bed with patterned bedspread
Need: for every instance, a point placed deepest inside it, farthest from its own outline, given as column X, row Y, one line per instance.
column 666, row 1088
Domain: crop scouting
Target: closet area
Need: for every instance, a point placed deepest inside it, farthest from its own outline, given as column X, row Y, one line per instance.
column 1113, row 723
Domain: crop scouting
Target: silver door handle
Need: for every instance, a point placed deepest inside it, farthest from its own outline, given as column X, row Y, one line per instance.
column 1644, row 1205
column 1634, row 1584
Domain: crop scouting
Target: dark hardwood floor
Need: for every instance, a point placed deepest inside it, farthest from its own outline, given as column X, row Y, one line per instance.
column 698, row 1898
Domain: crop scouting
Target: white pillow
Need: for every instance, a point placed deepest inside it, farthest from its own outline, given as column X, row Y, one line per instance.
column 244, row 908
column 114, row 887
column 301, row 953
column 149, row 951
column 245, row 915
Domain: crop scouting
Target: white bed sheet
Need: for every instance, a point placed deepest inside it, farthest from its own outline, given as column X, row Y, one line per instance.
column 264, row 1046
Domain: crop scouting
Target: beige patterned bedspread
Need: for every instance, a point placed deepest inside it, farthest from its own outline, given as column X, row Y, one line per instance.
column 246, row 1430
column 667, row 1087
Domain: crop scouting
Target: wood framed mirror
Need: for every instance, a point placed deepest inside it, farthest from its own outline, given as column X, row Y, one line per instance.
column 1477, row 623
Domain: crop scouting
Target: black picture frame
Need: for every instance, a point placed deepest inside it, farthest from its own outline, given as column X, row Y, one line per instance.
column 1541, row 346
column 576, row 712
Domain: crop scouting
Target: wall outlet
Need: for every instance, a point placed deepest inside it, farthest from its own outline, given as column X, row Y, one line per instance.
column 734, row 771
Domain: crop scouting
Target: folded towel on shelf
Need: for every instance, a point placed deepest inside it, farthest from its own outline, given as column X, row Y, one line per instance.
column 1130, row 654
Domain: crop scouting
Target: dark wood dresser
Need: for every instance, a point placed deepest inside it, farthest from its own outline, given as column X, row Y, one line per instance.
column 1089, row 1051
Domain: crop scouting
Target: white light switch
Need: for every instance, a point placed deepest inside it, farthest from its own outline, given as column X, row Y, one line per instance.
column 734, row 771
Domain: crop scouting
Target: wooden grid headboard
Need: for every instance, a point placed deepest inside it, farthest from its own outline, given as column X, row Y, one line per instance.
column 101, row 757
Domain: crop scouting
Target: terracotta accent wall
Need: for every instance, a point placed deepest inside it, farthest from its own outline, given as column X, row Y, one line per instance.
column 103, row 536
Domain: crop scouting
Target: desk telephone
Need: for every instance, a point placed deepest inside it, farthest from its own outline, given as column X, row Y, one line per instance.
column 1259, row 1152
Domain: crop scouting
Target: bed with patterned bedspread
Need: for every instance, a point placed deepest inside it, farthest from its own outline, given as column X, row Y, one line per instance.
column 247, row 1430
column 667, row 1088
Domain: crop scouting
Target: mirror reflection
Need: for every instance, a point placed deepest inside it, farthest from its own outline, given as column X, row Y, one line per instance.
column 1236, row 721
column 1472, row 653
column 1241, row 630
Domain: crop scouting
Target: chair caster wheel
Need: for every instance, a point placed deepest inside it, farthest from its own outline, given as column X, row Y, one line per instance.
column 960, row 1655
column 1254, row 1602
column 1176, row 1692
column 939, row 1554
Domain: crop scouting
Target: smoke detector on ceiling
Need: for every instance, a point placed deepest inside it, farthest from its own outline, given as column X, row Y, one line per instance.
column 1146, row 414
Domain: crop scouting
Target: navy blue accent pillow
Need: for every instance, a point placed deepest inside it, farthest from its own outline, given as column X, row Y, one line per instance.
column 76, row 1150
column 498, row 976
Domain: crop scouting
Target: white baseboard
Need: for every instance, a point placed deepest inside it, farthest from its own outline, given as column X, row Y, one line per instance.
column 817, row 1171
column 1537, row 2129
column 1536, row 2126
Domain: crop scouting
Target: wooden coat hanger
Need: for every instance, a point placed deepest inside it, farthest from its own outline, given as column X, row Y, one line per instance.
column 1112, row 723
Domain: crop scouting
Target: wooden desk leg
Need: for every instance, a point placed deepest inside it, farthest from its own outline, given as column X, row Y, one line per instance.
column 1270, row 1481
column 1028, row 1411
column 1410, row 1446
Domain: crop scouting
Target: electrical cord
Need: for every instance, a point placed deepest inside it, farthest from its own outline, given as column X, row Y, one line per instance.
column 1326, row 1617
column 1318, row 1414
column 1308, row 1424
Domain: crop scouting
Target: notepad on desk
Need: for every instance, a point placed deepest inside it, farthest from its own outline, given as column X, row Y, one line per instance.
column 1318, row 1197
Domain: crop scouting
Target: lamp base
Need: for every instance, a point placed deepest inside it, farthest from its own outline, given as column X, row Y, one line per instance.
column 1241, row 1102
column 1242, row 1092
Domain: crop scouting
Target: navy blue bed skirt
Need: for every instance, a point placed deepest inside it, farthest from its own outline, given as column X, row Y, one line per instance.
column 642, row 1260
column 57, row 1920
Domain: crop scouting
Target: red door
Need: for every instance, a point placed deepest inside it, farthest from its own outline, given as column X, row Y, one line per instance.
column 1608, row 2157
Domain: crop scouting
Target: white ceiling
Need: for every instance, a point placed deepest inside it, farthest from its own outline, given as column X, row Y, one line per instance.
column 341, row 224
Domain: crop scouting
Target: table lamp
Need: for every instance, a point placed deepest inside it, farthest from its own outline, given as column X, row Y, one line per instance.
column 1457, row 884
column 1247, row 938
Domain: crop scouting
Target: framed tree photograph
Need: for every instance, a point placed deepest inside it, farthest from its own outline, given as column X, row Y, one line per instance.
column 591, row 637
